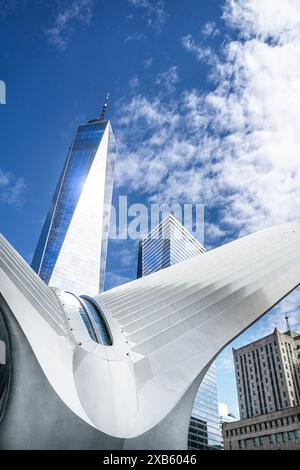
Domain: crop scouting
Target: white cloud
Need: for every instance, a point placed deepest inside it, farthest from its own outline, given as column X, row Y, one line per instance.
column 199, row 47
column 134, row 82
column 155, row 12
column 202, row 53
column 135, row 37
column 127, row 257
column 274, row 20
column 168, row 79
column 78, row 12
column 148, row 62
column 210, row 29
column 113, row 280
column 235, row 148
column 12, row 189
column 214, row 231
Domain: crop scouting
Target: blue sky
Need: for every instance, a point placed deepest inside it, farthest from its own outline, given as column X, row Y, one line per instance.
column 205, row 104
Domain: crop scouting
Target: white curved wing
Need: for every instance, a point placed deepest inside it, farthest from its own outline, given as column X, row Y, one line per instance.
column 167, row 328
column 177, row 320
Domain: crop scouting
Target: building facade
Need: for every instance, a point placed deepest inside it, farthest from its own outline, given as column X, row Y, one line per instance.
column 71, row 251
column 271, row 431
column 167, row 244
column 267, row 374
column 204, row 431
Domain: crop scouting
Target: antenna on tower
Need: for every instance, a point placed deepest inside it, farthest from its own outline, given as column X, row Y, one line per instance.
column 287, row 323
column 104, row 109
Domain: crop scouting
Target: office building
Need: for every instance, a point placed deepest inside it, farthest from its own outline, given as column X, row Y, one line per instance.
column 71, row 251
column 268, row 385
column 204, row 430
column 271, row 431
column 267, row 374
column 167, row 244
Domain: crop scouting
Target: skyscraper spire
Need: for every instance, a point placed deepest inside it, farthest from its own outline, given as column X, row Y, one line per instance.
column 72, row 212
column 104, row 109
column 287, row 323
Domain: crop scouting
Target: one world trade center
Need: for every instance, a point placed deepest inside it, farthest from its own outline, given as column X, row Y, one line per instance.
column 72, row 248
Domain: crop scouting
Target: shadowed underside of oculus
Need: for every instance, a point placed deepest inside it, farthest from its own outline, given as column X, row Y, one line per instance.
column 121, row 370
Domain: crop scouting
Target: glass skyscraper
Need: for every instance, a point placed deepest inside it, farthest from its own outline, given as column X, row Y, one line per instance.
column 71, row 251
column 205, row 432
column 167, row 244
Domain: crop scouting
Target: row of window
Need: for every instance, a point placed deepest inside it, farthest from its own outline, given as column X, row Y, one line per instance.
column 271, row 424
column 277, row 438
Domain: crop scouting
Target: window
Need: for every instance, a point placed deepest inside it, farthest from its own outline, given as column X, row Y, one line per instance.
column 88, row 324
column 98, row 320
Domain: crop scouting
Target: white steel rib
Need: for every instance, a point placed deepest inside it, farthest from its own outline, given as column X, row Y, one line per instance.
column 166, row 329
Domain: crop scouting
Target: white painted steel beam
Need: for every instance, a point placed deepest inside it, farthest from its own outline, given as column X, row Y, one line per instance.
column 166, row 329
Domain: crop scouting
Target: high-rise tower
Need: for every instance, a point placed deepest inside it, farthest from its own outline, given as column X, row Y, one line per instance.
column 71, row 251
column 268, row 374
column 167, row 244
